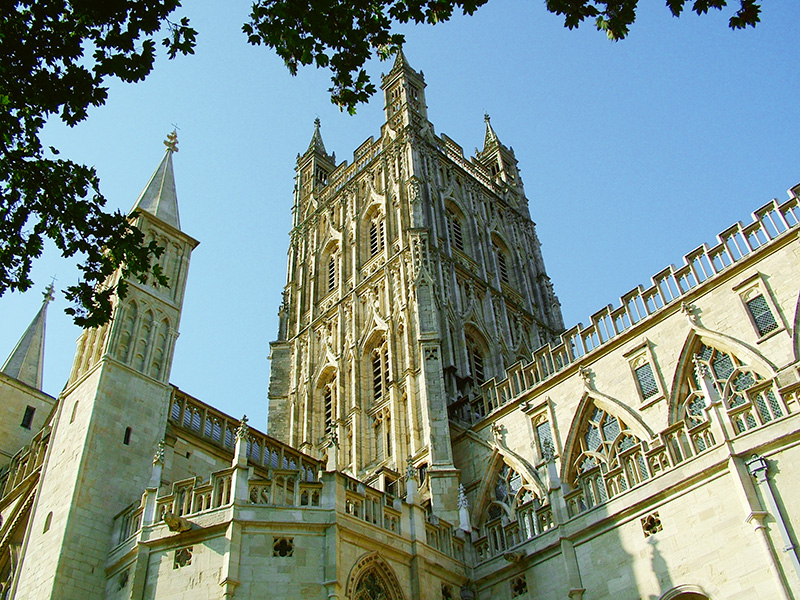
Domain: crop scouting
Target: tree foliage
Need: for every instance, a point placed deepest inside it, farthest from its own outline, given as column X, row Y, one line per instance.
column 55, row 56
column 343, row 35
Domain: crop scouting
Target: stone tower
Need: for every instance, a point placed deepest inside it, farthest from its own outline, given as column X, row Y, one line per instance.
column 111, row 414
column 414, row 276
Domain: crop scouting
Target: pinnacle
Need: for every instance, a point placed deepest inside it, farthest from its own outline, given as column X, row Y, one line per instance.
column 159, row 197
column 316, row 139
column 26, row 362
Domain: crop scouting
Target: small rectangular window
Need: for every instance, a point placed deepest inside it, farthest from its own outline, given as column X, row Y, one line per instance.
column 762, row 315
column 647, row 381
column 127, row 438
column 27, row 418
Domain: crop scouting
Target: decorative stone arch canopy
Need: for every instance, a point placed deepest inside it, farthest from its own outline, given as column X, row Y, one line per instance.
column 611, row 406
column 752, row 358
column 372, row 563
column 503, row 455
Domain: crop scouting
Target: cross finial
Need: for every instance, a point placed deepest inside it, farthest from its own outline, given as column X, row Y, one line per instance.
column 172, row 141
column 487, row 118
column 48, row 292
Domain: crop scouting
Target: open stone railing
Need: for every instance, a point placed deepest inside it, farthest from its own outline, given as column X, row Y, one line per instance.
column 215, row 426
column 668, row 286
column 439, row 534
column 188, row 497
column 371, row 505
column 25, row 462
column 285, row 487
column 500, row 535
column 639, row 464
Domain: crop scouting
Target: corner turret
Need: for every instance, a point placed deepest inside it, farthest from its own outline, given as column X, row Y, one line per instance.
column 404, row 95
column 498, row 159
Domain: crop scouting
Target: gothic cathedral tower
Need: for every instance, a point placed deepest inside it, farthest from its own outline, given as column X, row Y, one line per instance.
column 414, row 276
column 111, row 414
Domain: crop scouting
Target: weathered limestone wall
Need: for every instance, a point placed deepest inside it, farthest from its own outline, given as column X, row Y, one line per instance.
column 91, row 475
column 15, row 397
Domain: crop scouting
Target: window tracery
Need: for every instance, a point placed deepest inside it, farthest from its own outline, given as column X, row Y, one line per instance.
column 611, row 458
column 750, row 400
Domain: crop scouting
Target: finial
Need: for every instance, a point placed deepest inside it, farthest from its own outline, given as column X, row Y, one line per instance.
column 158, row 457
column 317, row 122
column 411, row 472
column 172, row 140
column 48, row 292
column 487, row 118
column 462, row 496
column 243, row 430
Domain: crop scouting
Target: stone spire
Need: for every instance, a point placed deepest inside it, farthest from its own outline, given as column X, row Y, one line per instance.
column 159, row 197
column 316, row 139
column 26, row 362
column 400, row 62
column 491, row 137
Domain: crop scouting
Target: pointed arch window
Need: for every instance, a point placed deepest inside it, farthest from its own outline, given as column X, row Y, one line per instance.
column 751, row 400
column 328, row 395
column 476, row 361
column 382, row 435
column 611, row 459
column 514, row 512
column 503, row 261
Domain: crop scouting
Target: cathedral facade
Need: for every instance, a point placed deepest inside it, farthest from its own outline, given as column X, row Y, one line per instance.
column 434, row 431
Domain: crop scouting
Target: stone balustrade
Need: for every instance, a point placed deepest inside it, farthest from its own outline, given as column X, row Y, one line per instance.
column 668, row 286
column 373, row 506
column 500, row 535
column 215, row 426
column 439, row 534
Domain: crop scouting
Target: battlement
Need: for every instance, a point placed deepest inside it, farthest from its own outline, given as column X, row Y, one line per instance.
column 771, row 222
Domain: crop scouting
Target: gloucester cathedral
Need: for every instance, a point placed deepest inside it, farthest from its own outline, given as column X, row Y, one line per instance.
column 435, row 430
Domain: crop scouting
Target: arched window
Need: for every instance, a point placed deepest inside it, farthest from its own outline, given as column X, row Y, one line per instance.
column 327, row 399
column 750, row 399
column 331, row 273
column 372, row 579
column 611, row 458
column 512, row 499
column 382, row 435
column 325, row 411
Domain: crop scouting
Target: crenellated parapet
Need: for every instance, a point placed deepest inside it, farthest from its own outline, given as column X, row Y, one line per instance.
column 773, row 223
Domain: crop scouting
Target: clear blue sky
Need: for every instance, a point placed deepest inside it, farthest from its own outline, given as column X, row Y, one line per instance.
column 632, row 153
